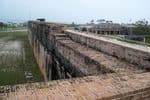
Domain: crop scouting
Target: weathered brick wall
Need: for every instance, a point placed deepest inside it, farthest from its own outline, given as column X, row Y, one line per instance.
column 79, row 60
column 38, row 37
column 49, row 56
column 120, row 50
column 41, row 55
column 44, row 42
column 103, row 87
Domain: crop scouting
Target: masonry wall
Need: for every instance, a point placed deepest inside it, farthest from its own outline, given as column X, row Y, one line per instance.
column 38, row 33
column 42, row 57
column 55, row 60
column 51, row 53
column 135, row 56
column 130, row 87
column 82, row 63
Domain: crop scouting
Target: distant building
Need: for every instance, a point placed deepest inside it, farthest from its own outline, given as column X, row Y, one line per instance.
column 105, row 29
column 41, row 19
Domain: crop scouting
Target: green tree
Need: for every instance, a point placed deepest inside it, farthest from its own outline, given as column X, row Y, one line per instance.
column 1, row 25
column 142, row 22
column 92, row 21
column 141, row 30
column 101, row 21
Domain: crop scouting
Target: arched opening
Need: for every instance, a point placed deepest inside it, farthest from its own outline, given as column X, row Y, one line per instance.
column 84, row 29
column 98, row 32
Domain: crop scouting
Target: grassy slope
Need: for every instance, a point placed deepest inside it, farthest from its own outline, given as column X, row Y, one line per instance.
column 17, row 76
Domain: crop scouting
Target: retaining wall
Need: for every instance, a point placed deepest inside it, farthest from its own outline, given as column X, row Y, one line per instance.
column 128, row 52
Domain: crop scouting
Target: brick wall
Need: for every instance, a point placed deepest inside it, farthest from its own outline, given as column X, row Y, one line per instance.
column 40, row 54
column 103, row 87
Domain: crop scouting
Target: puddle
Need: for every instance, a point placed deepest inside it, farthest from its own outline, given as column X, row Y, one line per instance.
column 11, row 47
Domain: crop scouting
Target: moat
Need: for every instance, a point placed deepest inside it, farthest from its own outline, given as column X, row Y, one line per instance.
column 17, row 63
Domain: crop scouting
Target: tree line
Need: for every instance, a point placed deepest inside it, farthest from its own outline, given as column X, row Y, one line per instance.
column 141, row 27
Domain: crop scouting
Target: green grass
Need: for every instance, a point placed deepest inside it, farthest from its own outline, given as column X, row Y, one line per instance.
column 147, row 40
column 31, row 62
column 11, row 70
column 11, row 78
column 12, row 28
column 131, row 41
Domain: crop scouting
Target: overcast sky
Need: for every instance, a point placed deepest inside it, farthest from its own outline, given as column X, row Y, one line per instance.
column 79, row 11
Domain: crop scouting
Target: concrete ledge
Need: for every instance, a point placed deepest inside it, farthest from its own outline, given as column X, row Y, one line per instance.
column 136, row 54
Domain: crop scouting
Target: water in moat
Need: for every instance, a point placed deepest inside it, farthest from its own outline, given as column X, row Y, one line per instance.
column 17, row 62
